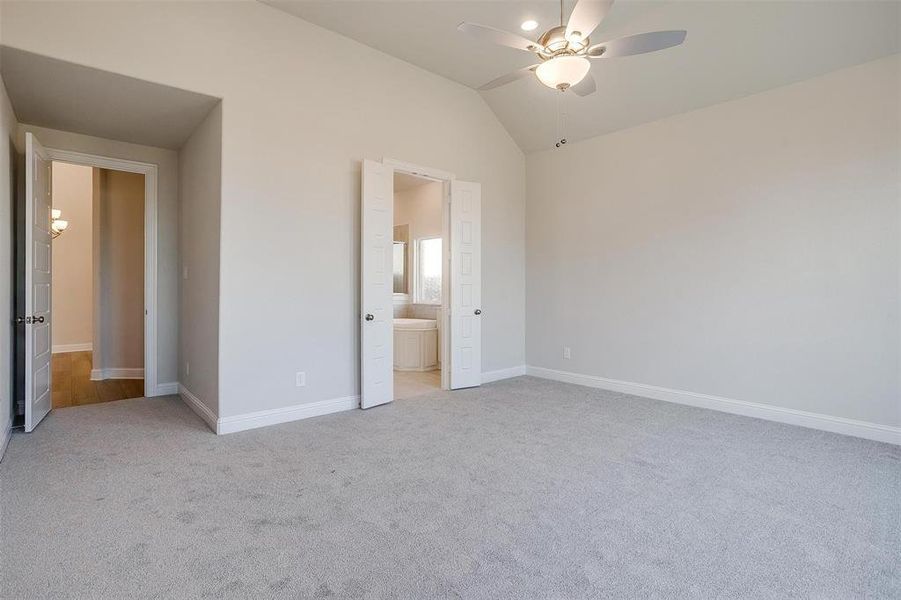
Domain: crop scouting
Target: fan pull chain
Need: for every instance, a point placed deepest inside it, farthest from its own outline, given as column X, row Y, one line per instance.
column 561, row 122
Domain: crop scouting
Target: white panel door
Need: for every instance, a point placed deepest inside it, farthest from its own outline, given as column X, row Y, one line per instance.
column 377, row 286
column 37, row 283
column 466, row 284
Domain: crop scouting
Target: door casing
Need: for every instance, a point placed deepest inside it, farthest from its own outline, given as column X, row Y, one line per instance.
column 151, row 243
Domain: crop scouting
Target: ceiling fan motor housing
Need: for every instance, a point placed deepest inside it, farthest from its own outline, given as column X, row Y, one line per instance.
column 554, row 43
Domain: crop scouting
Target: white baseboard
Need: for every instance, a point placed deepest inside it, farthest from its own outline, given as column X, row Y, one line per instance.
column 166, row 389
column 63, row 348
column 284, row 415
column 264, row 418
column 198, row 407
column 5, row 436
column 862, row 429
column 101, row 374
column 489, row 376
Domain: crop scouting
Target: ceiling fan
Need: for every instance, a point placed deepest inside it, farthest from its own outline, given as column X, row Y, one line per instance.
column 563, row 51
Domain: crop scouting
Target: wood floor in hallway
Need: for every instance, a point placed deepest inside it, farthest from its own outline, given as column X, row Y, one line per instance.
column 72, row 385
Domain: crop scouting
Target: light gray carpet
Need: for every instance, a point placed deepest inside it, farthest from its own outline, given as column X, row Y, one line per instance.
column 521, row 489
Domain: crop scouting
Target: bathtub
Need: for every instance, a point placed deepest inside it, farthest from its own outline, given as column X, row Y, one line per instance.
column 415, row 344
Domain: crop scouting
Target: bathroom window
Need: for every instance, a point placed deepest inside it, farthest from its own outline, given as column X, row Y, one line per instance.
column 428, row 271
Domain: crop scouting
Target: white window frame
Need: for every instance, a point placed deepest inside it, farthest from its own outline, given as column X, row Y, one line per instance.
column 417, row 292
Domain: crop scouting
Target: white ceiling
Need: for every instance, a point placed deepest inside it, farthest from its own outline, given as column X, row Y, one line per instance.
column 62, row 95
column 733, row 49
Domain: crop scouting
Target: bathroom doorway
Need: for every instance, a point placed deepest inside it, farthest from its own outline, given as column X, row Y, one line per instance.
column 418, row 294
column 457, row 330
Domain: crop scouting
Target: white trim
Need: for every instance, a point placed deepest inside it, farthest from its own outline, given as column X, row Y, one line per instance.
column 489, row 376
column 64, row 348
column 167, row 389
column 5, row 436
column 101, row 374
column 151, row 234
column 284, row 415
column 198, row 407
column 418, row 170
column 862, row 429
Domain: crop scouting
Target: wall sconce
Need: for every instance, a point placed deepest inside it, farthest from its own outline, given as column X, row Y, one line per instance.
column 57, row 225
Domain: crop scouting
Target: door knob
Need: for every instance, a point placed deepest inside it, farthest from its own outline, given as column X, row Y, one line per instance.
column 37, row 319
column 369, row 317
column 478, row 311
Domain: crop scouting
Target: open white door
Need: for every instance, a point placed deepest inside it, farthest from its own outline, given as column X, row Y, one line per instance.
column 466, row 284
column 37, row 283
column 377, row 286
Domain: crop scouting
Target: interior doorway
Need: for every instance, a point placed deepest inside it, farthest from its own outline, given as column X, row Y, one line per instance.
column 402, row 319
column 123, row 244
column 417, row 268
column 97, row 274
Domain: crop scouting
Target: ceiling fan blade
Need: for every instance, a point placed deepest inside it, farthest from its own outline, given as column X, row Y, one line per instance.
column 509, row 78
column 586, row 87
column 637, row 44
column 483, row 33
column 586, row 16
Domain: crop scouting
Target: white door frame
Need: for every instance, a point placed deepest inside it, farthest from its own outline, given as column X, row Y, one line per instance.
column 445, row 177
column 151, row 238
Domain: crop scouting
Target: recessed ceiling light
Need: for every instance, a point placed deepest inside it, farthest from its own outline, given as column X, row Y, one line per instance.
column 529, row 25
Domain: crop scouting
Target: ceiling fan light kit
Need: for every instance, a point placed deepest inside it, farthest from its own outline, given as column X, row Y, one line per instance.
column 564, row 51
column 563, row 72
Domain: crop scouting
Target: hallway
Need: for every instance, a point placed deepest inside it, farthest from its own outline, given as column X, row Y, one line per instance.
column 72, row 385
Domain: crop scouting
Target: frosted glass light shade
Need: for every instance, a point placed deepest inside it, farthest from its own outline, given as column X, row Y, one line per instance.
column 60, row 225
column 55, row 213
column 563, row 72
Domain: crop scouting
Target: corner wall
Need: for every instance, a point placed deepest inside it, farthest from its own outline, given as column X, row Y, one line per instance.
column 748, row 251
column 200, row 176
column 120, row 300
column 8, row 163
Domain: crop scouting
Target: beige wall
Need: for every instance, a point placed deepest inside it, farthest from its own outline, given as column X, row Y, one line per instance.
column 292, row 147
column 748, row 250
column 121, row 271
column 200, row 170
column 72, row 259
column 8, row 127
column 167, row 223
column 420, row 207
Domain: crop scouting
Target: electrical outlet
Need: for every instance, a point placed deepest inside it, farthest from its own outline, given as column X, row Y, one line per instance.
column 187, row 368
column 567, row 353
column 300, row 379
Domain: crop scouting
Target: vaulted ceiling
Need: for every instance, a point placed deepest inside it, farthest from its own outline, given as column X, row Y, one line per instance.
column 733, row 49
